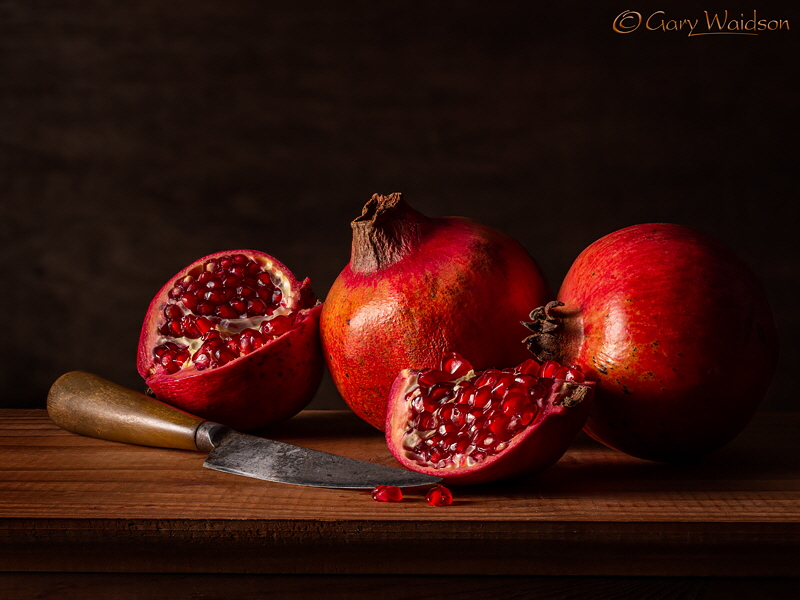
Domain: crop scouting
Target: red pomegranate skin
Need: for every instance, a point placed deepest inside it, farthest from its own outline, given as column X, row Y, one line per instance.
column 416, row 288
column 265, row 387
column 678, row 333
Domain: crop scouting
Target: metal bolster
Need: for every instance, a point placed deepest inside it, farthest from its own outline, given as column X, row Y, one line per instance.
column 207, row 435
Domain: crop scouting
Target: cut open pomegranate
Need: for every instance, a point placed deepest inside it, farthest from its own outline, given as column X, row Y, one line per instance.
column 233, row 338
column 469, row 427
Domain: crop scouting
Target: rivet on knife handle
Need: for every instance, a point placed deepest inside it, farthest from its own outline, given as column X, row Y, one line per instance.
column 90, row 405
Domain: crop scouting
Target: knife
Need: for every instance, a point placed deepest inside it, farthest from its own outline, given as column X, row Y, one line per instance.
column 90, row 405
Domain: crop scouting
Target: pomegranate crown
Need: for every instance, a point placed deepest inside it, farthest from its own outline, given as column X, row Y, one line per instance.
column 387, row 230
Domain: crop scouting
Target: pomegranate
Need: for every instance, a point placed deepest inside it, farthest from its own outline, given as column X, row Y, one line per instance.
column 233, row 338
column 676, row 331
column 473, row 427
column 417, row 287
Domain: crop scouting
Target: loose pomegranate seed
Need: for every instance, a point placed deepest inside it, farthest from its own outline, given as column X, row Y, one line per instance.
column 226, row 289
column 456, row 425
column 439, row 496
column 387, row 493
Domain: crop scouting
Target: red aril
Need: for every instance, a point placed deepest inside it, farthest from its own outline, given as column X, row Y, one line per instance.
column 675, row 329
column 233, row 338
column 483, row 426
column 417, row 287
column 439, row 496
column 387, row 493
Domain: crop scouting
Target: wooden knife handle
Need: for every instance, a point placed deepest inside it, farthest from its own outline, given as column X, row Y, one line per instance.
column 90, row 405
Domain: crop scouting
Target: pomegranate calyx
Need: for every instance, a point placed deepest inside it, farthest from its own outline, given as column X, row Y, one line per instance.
column 387, row 230
column 545, row 343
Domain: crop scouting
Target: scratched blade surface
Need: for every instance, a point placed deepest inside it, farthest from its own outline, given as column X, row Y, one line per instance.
column 251, row 456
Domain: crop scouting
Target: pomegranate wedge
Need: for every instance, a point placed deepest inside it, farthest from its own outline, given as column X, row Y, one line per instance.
column 233, row 338
column 469, row 427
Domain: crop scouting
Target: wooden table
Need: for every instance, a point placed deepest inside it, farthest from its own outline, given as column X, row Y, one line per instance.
column 79, row 516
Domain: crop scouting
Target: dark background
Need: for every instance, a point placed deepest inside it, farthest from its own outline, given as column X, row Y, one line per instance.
column 137, row 136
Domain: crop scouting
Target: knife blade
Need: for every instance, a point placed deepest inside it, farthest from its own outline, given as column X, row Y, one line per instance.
column 87, row 404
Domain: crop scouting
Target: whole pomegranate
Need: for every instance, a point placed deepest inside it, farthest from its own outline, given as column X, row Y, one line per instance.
column 675, row 329
column 233, row 338
column 469, row 427
column 417, row 287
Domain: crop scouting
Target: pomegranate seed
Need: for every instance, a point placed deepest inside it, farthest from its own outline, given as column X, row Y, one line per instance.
column 575, row 374
column 439, row 391
column 204, row 308
column 212, row 334
column 226, row 355
column 245, row 291
column 231, row 281
column 387, row 493
column 529, row 367
column 482, row 397
column 501, row 387
column 265, row 280
column 256, row 307
column 239, row 306
column 225, row 311
column 428, row 377
column 439, row 496
column 514, row 402
column 498, row 425
column 190, row 328
column 549, row 368
column 489, row 378
column 175, row 329
column 277, row 325
column 240, row 259
column 250, row 341
column 215, row 296
column 526, row 380
column 528, row 414
column 204, row 325
column 189, row 300
column 455, row 364
column 426, row 422
column 173, row 311
column 182, row 356
column 202, row 360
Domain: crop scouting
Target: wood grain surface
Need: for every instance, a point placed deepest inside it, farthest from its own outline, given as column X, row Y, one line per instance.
column 75, row 504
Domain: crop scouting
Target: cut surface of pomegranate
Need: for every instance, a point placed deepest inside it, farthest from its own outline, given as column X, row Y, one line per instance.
column 469, row 427
column 233, row 338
